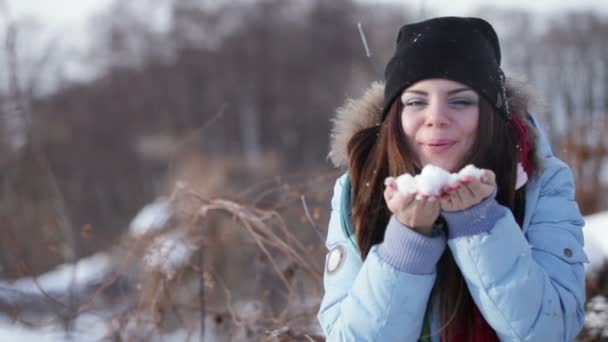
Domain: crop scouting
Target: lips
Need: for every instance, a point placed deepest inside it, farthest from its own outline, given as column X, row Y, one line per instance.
column 438, row 145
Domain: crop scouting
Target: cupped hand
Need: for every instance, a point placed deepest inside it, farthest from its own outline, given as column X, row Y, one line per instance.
column 468, row 192
column 418, row 212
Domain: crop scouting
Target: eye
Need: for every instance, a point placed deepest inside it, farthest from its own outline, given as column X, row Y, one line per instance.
column 463, row 102
column 414, row 103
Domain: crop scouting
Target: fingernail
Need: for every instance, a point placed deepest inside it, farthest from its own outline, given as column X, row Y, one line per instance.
column 465, row 181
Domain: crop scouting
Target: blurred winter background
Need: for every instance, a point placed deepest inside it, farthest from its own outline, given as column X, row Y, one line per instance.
column 162, row 162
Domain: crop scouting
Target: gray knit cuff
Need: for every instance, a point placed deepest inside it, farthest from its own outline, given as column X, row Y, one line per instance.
column 477, row 219
column 409, row 251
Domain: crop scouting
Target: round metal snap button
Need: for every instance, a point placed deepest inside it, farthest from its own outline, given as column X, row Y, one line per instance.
column 335, row 259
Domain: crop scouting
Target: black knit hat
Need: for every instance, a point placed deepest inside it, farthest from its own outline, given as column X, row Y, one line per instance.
column 465, row 50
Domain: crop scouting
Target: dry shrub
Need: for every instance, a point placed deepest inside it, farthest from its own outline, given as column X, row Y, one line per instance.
column 596, row 317
column 585, row 148
column 248, row 274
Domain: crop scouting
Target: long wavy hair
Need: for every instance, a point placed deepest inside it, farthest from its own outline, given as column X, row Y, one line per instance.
column 381, row 151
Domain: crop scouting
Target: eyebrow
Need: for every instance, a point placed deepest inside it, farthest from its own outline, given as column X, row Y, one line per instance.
column 451, row 92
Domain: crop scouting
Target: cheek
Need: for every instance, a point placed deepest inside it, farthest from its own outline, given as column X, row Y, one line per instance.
column 410, row 125
column 469, row 126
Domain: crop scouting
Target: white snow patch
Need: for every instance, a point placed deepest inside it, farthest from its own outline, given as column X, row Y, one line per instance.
column 63, row 278
column 596, row 319
column 596, row 240
column 151, row 217
column 86, row 328
column 168, row 252
column 604, row 173
column 433, row 179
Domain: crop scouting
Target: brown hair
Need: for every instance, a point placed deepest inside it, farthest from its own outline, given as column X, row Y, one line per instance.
column 381, row 151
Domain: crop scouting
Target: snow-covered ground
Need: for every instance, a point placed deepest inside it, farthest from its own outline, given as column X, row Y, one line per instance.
column 92, row 269
column 93, row 328
column 66, row 277
column 596, row 239
column 87, row 328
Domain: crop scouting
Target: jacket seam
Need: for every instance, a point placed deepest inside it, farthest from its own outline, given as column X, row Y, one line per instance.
column 487, row 291
column 391, row 303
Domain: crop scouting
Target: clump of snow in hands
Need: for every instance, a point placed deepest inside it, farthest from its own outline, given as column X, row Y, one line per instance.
column 433, row 179
column 168, row 253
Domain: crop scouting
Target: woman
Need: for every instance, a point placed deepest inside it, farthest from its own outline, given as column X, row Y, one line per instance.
column 498, row 258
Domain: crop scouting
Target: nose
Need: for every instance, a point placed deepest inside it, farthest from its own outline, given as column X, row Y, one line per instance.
column 437, row 114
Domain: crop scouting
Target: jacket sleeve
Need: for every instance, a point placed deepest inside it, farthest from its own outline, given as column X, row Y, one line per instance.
column 383, row 298
column 530, row 287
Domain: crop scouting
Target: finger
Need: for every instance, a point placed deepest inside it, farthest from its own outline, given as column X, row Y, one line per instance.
column 452, row 202
column 446, row 204
column 388, row 194
column 407, row 200
column 480, row 190
column 465, row 192
column 426, row 198
column 477, row 189
column 395, row 200
column 390, row 190
column 390, row 182
column 488, row 177
column 431, row 204
column 421, row 198
column 455, row 192
column 429, row 208
column 390, row 198
column 486, row 190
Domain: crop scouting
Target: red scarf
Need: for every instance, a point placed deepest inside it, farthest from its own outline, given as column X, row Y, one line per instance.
column 482, row 331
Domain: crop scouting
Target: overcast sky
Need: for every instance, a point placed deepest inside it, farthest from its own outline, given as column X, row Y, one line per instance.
column 68, row 20
column 464, row 7
column 62, row 13
column 58, row 13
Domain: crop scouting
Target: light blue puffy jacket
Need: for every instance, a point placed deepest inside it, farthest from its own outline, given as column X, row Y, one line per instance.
column 528, row 283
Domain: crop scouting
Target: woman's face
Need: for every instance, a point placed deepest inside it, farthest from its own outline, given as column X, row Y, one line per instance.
column 440, row 119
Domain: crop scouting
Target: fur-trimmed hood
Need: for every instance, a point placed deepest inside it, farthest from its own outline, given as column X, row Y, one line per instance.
column 366, row 111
